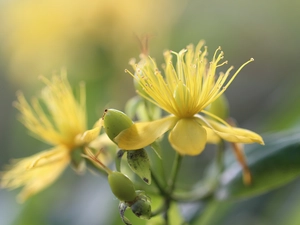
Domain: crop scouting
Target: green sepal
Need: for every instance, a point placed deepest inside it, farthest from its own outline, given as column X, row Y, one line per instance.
column 122, row 208
column 139, row 163
column 115, row 121
column 220, row 107
column 271, row 166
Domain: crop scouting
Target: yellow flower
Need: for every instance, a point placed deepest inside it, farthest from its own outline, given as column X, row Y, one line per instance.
column 186, row 90
column 33, row 32
column 62, row 124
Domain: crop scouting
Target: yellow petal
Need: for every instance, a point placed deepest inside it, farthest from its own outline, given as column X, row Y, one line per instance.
column 231, row 134
column 35, row 172
column 89, row 135
column 101, row 143
column 188, row 137
column 142, row 134
column 99, row 123
column 212, row 137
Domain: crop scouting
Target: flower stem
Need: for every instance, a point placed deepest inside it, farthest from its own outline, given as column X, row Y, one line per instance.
column 94, row 159
column 161, row 189
column 166, row 193
column 171, row 185
column 220, row 156
column 174, row 173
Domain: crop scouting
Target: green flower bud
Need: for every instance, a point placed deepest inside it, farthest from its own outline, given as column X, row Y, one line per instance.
column 138, row 87
column 121, row 186
column 115, row 121
column 143, row 64
column 142, row 207
column 220, row 107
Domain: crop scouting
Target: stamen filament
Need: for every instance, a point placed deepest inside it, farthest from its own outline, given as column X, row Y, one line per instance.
column 188, row 88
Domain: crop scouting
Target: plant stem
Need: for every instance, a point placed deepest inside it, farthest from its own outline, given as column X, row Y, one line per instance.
column 94, row 161
column 220, row 156
column 171, row 185
column 166, row 193
column 174, row 173
column 161, row 189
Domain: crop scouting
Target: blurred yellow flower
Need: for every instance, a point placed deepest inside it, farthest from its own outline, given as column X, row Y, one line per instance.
column 59, row 120
column 42, row 35
column 187, row 89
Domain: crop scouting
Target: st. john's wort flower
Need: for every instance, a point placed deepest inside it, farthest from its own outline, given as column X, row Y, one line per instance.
column 186, row 90
column 58, row 119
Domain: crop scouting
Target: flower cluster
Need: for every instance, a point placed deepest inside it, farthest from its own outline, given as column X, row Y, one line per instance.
column 189, row 91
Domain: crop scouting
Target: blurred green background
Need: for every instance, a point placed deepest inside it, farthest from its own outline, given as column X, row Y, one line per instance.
column 94, row 40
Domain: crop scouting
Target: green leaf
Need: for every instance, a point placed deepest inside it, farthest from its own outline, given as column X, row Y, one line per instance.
column 175, row 215
column 213, row 213
column 139, row 163
column 272, row 165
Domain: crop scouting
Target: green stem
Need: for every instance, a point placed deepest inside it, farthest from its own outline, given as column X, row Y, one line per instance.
column 96, row 168
column 174, row 173
column 161, row 189
column 171, row 184
column 220, row 156
column 166, row 216
column 167, row 192
column 95, row 162
column 163, row 192
column 205, row 192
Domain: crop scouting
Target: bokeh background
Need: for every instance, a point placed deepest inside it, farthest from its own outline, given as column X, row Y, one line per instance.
column 94, row 40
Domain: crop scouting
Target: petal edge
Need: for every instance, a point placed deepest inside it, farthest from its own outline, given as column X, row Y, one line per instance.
column 142, row 134
column 231, row 134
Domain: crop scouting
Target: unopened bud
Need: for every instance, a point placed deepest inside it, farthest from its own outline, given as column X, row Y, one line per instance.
column 121, row 186
column 220, row 107
column 139, row 74
column 142, row 207
column 138, row 87
column 115, row 121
